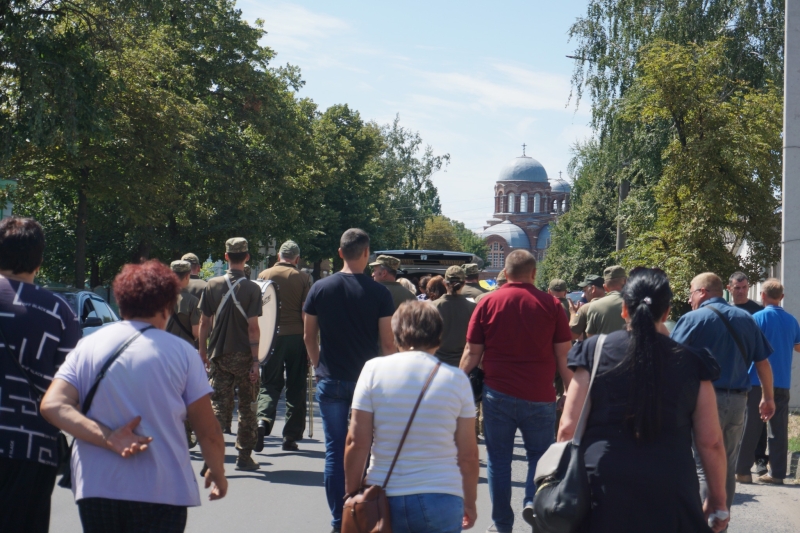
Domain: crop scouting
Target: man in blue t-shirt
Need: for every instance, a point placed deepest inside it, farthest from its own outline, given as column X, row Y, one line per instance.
column 351, row 313
column 783, row 333
column 38, row 330
column 736, row 342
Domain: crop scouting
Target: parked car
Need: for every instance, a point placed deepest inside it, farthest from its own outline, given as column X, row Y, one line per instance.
column 93, row 312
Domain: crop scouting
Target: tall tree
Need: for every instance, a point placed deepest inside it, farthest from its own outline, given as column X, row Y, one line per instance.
column 439, row 234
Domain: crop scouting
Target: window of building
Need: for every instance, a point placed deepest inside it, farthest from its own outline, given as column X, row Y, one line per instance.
column 511, row 204
column 555, row 206
column 564, row 205
column 523, row 202
column 537, row 203
column 502, row 205
column 497, row 255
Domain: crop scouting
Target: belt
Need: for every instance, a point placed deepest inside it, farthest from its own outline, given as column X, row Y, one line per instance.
column 733, row 391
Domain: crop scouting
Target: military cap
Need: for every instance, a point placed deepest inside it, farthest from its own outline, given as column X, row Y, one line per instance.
column 289, row 249
column 387, row 261
column 455, row 273
column 179, row 267
column 558, row 285
column 501, row 277
column 191, row 258
column 591, row 279
column 236, row 245
column 471, row 269
column 614, row 272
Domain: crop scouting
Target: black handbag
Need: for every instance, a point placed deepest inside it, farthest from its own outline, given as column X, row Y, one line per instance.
column 563, row 497
column 476, row 382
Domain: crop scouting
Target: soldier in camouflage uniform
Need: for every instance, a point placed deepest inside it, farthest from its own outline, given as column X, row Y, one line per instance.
column 384, row 271
column 234, row 303
column 196, row 284
column 473, row 288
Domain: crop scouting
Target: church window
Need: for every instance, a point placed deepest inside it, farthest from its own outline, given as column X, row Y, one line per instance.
column 496, row 255
column 537, row 203
column 502, row 198
column 564, row 205
column 511, row 200
column 555, row 206
column 523, row 202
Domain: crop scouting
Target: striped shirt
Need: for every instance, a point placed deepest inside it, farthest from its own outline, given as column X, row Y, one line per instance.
column 388, row 388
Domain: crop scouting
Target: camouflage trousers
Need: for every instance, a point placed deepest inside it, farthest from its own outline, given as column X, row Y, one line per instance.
column 228, row 371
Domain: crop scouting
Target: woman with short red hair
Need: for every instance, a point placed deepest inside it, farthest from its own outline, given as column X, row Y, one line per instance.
column 137, row 377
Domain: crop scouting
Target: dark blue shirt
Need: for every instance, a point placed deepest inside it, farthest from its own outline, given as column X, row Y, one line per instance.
column 347, row 307
column 783, row 333
column 702, row 328
column 41, row 329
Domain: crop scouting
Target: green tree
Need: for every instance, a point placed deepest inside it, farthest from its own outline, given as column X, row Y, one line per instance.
column 439, row 233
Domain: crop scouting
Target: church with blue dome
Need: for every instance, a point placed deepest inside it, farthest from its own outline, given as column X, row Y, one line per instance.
column 526, row 204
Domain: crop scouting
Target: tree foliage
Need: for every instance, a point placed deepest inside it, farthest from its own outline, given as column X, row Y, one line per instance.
column 442, row 233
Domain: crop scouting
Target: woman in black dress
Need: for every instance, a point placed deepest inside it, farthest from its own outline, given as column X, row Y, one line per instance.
column 648, row 398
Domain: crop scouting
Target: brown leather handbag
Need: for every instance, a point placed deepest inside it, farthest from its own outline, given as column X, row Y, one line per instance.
column 368, row 510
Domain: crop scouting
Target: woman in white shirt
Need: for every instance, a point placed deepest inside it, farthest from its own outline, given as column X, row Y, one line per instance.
column 433, row 487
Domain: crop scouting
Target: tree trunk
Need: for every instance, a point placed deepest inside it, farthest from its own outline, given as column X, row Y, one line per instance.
column 142, row 253
column 317, row 270
column 94, row 276
column 80, row 234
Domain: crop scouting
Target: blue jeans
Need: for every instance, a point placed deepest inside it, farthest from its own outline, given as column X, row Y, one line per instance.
column 334, row 398
column 426, row 513
column 502, row 416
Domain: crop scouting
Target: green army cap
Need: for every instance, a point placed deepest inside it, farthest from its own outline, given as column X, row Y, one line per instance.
column 501, row 276
column 614, row 272
column 236, row 245
column 455, row 273
column 289, row 249
column 179, row 267
column 471, row 269
column 591, row 279
column 558, row 285
column 387, row 261
column 191, row 258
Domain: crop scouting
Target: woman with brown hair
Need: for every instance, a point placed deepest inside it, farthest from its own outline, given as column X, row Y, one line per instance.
column 437, row 467
column 435, row 288
column 456, row 310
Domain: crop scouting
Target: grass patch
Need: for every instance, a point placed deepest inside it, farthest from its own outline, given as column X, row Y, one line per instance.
column 794, row 432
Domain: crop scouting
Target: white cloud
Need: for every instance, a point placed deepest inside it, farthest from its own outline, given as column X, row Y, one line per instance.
column 292, row 27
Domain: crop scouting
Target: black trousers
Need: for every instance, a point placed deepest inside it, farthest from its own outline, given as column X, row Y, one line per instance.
column 289, row 355
column 25, row 491
column 778, row 434
column 104, row 515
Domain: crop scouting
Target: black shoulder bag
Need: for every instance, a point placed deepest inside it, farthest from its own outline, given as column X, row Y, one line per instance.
column 66, row 479
column 733, row 334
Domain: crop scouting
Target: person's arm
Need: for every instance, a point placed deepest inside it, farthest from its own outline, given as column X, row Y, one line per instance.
column 471, row 358
column 202, row 341
column 576, row 395
column 767, row 405
column 797, row 347
column 60, row 408
column 254, row 335
column 386, row 335
column 469, row 465
column 356, row 449
column 310, row 338
column 196, row 331
column 561, row 349
column 212, row 445
column 711, row 448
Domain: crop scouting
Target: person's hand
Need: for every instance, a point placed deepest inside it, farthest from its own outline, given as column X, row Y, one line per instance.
column 206, row 362
column 767, row 409
column 708, row 509
column 218, row 483
column 125, row 442
column 470, row 515
column 254, row 372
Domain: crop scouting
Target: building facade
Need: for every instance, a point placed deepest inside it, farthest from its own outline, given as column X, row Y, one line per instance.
column 526, row 204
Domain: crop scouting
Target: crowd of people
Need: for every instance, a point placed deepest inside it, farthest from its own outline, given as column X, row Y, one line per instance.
column 679, row 412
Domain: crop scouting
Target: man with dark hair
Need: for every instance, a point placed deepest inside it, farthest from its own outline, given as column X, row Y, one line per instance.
column 522, row 335
column 37, row 330
column 234, row 303
column 783, row 333
column 736, row 342
column 289, row 354
column 604, row 315
column 593, row 289
column 196, row 284
column 739, row 287
column 472, row 289
column 384, row 271
column 352, row 315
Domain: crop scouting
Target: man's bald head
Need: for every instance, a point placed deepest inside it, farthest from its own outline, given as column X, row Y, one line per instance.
column 708, row 281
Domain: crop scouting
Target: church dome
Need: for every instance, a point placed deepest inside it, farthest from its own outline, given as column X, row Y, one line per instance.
column 560, row 186
column 524, row 169
column 513, row 234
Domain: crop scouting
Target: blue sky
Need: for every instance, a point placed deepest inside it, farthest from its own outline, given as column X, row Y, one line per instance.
column 475, row 79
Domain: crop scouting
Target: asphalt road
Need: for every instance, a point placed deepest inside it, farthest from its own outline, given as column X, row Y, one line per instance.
column 287, row 495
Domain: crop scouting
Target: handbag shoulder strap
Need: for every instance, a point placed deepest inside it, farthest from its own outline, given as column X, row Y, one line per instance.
column 174, row 320
column 36, row 392
column 587, row 402
column 410, row 420
column 732, row 331
column 87, row 403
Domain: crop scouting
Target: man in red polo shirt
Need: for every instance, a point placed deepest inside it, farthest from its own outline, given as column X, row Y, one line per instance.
column 523, row 335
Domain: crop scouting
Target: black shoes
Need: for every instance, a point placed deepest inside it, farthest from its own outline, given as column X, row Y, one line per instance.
column 290, row 446
column 527, row 513
column 761, row 467
column 262, row 432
